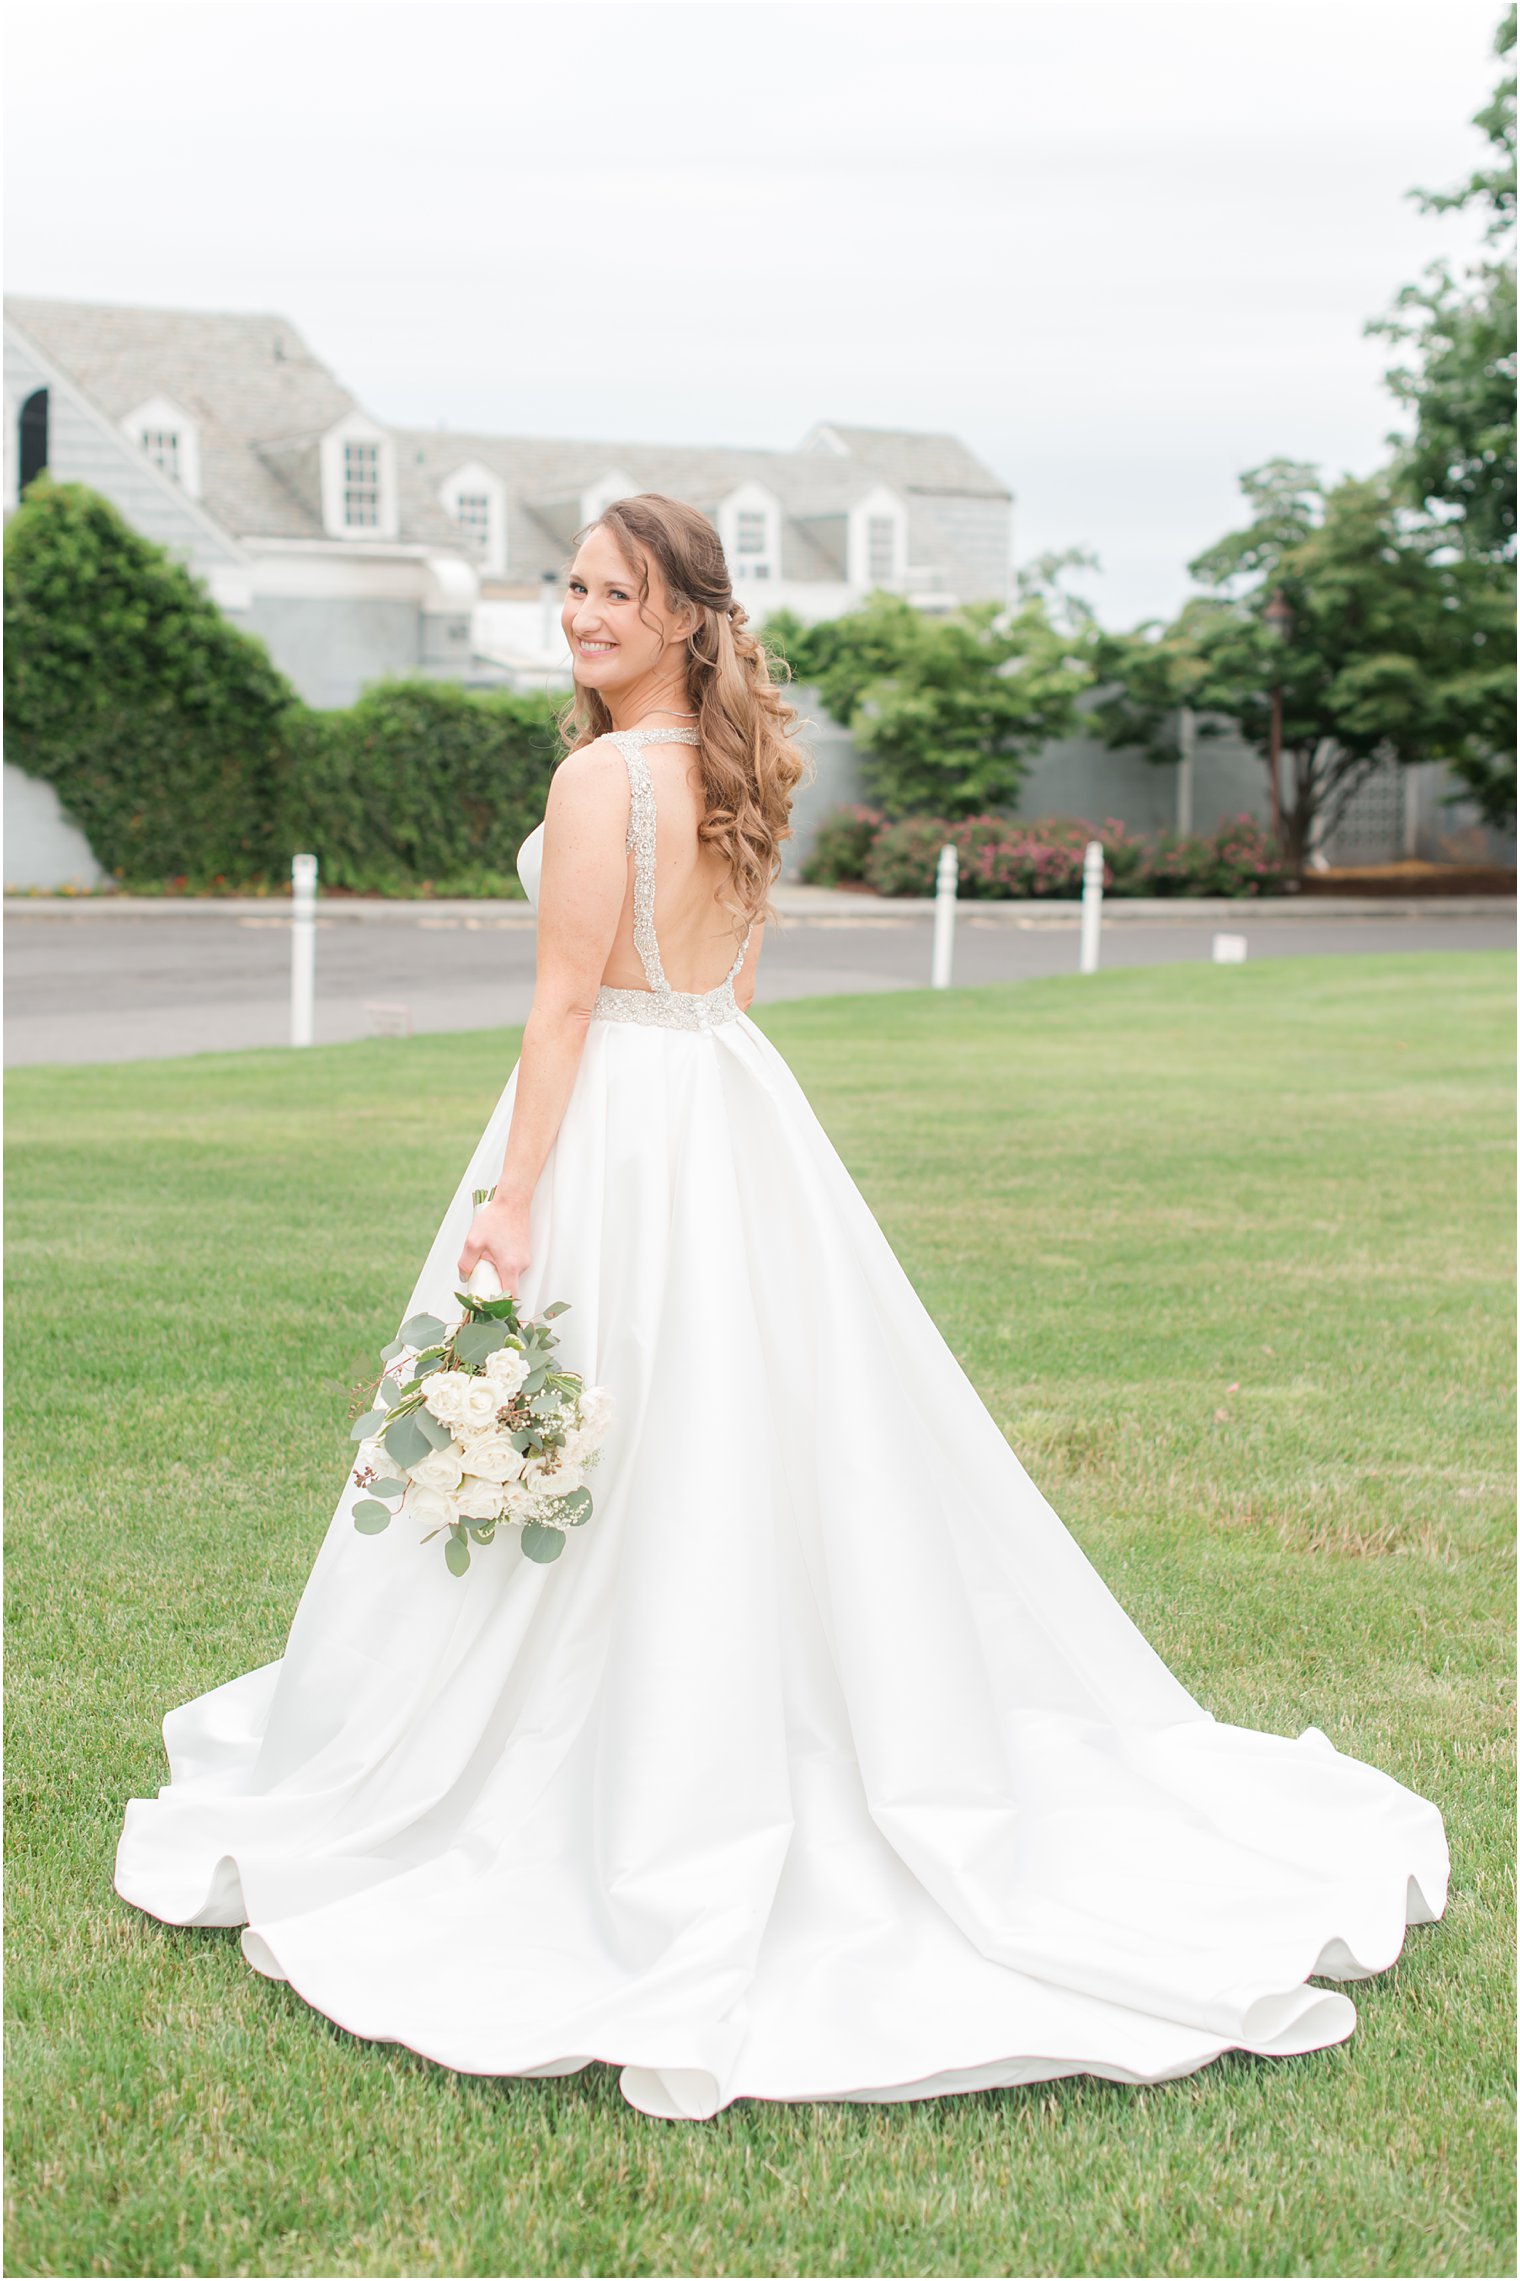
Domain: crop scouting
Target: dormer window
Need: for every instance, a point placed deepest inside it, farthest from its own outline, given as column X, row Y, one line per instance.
column 749, row 524
column 361, row 486
column 472, row 512
column 881, row 549
column 358, row 478
column 166, row 433
column 474, row 497
column 162, row 447
column 752, row 543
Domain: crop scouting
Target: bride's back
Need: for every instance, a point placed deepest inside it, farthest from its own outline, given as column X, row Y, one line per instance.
column 696, row 936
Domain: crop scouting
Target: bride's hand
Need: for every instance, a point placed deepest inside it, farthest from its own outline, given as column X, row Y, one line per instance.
column 498, row 1232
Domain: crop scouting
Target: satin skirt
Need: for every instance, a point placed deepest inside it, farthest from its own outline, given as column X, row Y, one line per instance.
column 822, row 1764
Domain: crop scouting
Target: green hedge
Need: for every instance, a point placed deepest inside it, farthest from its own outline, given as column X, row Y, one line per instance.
column 191, row 764
column 421, row 785
column 165, row 730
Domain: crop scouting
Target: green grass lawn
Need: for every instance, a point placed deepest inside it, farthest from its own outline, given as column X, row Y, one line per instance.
column 1227, row 1251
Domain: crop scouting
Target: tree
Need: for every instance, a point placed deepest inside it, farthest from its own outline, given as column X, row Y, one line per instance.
column 1398, row 648
column 946, row 710
column 164, row 729
column 1457, row 465
column 1459, row 461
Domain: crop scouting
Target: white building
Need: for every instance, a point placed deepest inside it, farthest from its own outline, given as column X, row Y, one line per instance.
column 222, row 438
column 811, row 530
column 356, row 551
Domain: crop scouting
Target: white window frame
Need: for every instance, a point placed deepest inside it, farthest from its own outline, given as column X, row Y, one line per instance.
column 356, row 429
column 473, row 480
column 165, row 433
column 749, row 503
column 877, row 506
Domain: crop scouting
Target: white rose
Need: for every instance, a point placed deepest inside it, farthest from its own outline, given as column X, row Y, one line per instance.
column 429, row 1508
column 444, row 1393
column 483, row 1398
column 506, row 1369
column 491, row 1457
column 519, row 1501
column 440, row 1469
column 596, row 1414
column 480, row 1500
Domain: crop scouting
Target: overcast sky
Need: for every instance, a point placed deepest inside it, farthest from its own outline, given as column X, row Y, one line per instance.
column 1124, row 248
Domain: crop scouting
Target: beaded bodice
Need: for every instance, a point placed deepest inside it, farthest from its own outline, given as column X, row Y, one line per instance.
column 659, row 1005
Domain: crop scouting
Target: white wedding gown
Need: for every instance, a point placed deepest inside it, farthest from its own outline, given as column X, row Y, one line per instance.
column 821, row 1764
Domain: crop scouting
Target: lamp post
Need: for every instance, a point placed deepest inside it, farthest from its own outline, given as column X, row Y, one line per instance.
column 1280, row 618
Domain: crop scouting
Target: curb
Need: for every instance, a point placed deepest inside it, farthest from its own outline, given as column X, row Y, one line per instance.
column 821, row 905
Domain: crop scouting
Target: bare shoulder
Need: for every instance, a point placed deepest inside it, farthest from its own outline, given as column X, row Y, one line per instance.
column 591, row 783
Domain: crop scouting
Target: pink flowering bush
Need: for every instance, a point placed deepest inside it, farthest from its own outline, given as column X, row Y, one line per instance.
column 1237, row 858
column 840, row 846
column 1003, row 858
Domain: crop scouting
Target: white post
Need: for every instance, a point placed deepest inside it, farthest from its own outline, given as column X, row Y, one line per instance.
column 944, row 915
column 1092, row 904
column 303, row 946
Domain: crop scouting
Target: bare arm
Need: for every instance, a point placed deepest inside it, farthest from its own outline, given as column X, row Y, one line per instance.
column 580, row 899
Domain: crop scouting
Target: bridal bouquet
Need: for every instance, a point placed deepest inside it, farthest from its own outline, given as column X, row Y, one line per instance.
column 472, row 1428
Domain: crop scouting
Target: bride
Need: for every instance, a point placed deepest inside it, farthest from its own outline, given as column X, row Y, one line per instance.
column 821, row 1764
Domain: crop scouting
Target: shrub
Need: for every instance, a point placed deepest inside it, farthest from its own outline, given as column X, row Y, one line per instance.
column 165, row 730
column 1002, row 858
column 841, row 845
column 423, row 782
column 903, row 856
column 1236, row 859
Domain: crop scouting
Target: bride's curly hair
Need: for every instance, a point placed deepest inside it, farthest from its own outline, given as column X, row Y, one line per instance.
column 750, row 766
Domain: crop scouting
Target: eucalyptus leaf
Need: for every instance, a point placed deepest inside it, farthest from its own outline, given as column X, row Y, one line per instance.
column 457, row 1553
column 422, row 1330
column 367, row 1426
column 389, row 1486
column 541, row 1543
column 370, row 1518
column 406, row 1441
column 424, row 1367
column 389, row 1353
column 503, row 1309
column 477, row 1340
column 560, row 1307
column 576, row 1507
column 438, row 1436
column 534, row 1380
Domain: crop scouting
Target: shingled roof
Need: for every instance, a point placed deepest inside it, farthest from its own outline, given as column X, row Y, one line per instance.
column 262, row 401
column 260, row 398
column 544, row 479
column 913, row 462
